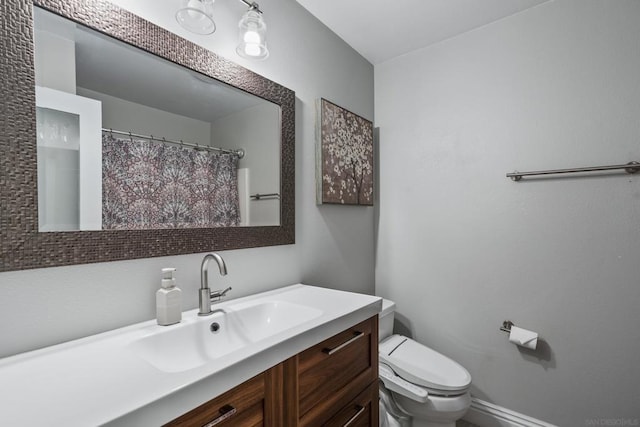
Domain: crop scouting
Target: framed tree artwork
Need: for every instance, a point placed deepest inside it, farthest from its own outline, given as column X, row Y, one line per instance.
column 344, row 156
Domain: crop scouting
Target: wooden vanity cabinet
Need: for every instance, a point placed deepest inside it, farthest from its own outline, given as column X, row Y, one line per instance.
column 333, row 383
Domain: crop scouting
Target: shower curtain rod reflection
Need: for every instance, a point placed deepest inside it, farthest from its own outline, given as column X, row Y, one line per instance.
column 239, row 152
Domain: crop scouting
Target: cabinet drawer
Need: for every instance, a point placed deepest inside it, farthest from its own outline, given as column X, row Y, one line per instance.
column 256, row 402
column 337, row 370
column 360, row 412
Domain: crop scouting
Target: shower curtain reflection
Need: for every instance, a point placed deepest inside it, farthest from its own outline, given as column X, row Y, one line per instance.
column 147, row 185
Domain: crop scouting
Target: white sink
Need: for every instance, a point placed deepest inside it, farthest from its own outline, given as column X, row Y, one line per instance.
column 199, row 340
column 259, row 320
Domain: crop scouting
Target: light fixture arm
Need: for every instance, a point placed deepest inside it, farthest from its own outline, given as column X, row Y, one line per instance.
column 252, row 5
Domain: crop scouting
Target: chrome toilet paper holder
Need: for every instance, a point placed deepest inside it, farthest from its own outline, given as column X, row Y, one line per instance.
column 506, row 326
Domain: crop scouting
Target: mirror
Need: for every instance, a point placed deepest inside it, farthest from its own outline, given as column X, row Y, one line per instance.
column 128, row 140
column 35, row 134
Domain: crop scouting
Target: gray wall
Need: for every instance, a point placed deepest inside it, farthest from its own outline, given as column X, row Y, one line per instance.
column 334, row 246
column 55, row 61
column 462, row 248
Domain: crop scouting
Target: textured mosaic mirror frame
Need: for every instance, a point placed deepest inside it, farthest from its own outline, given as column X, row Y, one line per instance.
column 21, row 245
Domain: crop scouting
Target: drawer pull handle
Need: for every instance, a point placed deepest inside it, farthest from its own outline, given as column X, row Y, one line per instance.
column 226, row 412
column 330, row 351
column 355, row 417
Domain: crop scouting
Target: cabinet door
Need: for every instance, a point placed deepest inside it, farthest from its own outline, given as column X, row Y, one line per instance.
column 69, row 142
column 256, row 402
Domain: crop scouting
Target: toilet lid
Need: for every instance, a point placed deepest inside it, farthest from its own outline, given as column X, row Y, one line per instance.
column 422, row 366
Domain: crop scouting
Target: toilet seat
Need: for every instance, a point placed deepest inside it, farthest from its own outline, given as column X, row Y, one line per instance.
column 401, row 386
column 424, row 367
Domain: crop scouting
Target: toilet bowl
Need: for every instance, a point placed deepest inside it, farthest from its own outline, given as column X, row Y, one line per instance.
column 421, row 387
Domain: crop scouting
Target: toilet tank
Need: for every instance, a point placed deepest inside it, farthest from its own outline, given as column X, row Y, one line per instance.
column 385, row 319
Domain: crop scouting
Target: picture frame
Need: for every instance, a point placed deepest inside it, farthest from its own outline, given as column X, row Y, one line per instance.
column 344, row 156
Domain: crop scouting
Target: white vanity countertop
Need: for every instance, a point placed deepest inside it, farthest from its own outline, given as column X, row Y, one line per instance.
column 98, row 380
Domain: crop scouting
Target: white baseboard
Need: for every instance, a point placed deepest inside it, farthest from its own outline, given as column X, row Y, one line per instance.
column 485, row 414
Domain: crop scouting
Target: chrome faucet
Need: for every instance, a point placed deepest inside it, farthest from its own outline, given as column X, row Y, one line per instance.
column 207, row 296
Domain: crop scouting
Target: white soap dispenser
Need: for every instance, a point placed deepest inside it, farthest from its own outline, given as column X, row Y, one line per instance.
column 168, row 299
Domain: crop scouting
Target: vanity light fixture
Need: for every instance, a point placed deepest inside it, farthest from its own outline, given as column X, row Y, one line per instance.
column 197, row 17
column 252, row 36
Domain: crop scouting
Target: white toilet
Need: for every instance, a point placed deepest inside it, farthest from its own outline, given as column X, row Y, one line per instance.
column 422, row 388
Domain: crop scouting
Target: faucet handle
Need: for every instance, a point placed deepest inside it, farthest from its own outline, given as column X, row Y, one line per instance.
column 217, row 295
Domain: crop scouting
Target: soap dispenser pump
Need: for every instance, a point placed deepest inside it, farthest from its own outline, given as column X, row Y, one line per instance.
column 168, row 299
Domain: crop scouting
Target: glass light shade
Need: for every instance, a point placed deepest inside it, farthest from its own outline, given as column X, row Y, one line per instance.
column 252, row 36
column 197, row 16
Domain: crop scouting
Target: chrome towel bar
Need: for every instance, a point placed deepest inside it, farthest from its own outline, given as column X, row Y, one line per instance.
column 268, row 196
column 631, row 167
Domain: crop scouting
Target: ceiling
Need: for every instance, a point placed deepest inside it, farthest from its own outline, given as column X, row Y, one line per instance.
column 383, row 29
